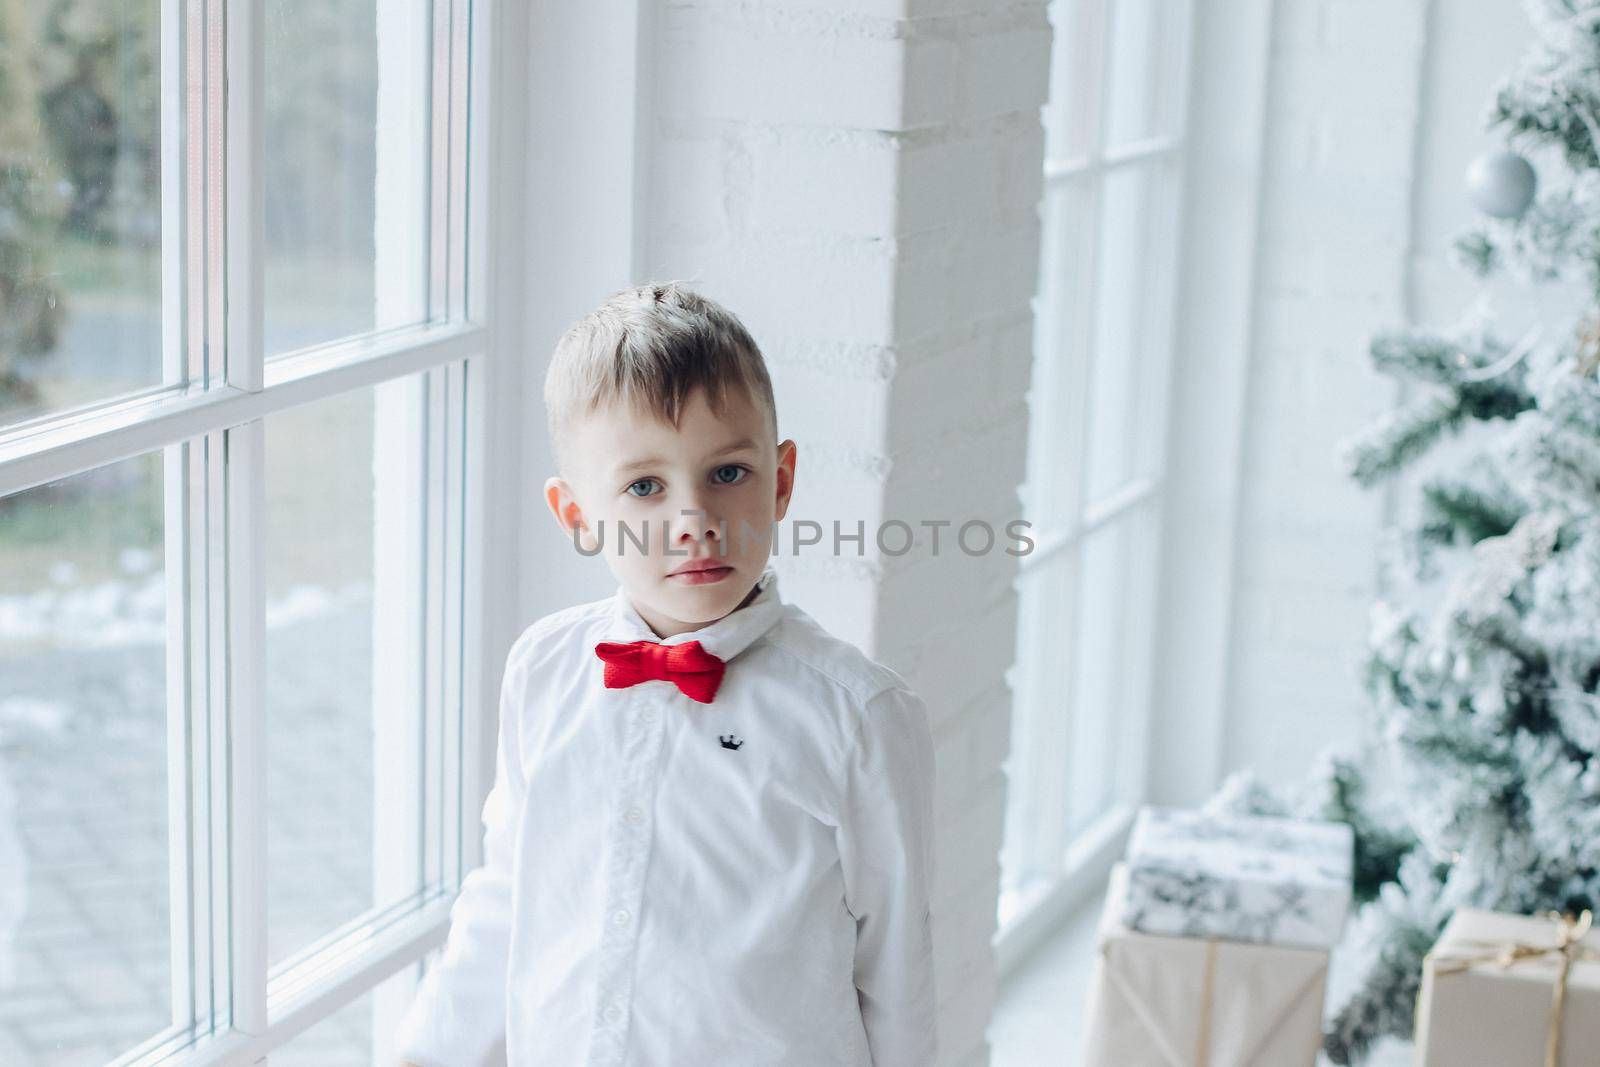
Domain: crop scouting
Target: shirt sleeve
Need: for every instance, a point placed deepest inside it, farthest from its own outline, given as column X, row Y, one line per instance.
column 885, row 839
column 458, row 1014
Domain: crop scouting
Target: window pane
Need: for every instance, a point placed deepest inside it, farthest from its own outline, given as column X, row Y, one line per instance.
column 343, row 571
column 80, row 195
column 85, row 946
column 344, row 251
column 1156, row 342
column 1145, row 68
column 1055, row 393
column 357, row 1035
column 343, row 1039
column 1120, row 297
column 1137, row 665
column 1035, row 816
column 1098, row 703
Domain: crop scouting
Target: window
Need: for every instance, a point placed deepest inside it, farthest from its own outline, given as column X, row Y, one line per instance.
column 240, row 342
column 1094, row 488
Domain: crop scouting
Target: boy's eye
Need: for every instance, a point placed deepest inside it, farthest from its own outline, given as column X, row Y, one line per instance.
column 635, row 485
column 738, row 474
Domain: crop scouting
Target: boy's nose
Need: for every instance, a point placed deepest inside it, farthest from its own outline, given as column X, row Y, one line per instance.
column 695, row 523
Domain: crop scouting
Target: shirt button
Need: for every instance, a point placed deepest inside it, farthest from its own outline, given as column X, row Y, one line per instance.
column 621, row 916
column 613, row 1013
column 635, row 815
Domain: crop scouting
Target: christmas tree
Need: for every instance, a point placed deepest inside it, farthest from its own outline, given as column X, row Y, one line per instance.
column 1484, row 659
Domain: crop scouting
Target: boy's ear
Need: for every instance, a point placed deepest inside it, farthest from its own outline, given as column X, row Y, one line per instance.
column 785, row 479
column 568, row 514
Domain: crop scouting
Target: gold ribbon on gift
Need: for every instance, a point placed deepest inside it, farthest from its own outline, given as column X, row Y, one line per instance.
column 1570, row 933
column 1202, row 1052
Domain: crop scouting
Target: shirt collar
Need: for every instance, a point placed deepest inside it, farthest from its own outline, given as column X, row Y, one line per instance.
column 724, row 638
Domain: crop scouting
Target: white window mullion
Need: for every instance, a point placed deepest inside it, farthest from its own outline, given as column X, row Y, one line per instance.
column 1132, row 734
column 197, row 230
column 1050, row 837
column 130, row 427
column 242, row 204
column 1149, row 448
column 459, row 90
column 436, row 865
column 1082, row 307
column 479, row 687
column 465, row 780
column 1174, row 178
column 447, row 853
column 242, row 193
column 191, row 133
column 438, row 304
column 185, row 578
column 210, row 744
column 177, row 357
column 400, row 282
column 183, row 482
column 458, row 850
column 1068, row 168
column 246, row 734
column 463, row 852
column 1170, row 177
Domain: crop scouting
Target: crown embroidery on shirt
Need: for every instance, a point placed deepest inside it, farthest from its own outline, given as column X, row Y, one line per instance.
column 730, row 741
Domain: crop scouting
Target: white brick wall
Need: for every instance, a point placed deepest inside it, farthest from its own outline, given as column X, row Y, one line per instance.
column 860, row 184
column 1336, row 190
column 1375, row 109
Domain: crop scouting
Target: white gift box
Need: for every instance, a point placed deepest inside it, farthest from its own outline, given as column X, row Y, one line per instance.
column 1180, row 1002
column 1238, row 877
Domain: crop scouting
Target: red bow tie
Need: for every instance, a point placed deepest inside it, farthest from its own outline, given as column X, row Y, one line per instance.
column 696, row 672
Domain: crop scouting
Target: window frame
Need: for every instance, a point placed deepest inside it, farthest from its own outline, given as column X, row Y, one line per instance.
column 208, row 423
column 1206, row 450
column 1070, row 864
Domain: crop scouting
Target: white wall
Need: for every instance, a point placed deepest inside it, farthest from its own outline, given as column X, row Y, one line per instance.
column 1374, row 111
column 1342, row 100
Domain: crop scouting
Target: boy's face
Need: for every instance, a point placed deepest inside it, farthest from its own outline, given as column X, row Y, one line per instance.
column 711, row 488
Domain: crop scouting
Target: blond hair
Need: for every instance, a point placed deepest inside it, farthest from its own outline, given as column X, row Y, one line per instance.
column 651, row 346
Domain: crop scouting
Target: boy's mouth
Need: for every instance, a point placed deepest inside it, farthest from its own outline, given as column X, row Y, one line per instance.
column 701, row 572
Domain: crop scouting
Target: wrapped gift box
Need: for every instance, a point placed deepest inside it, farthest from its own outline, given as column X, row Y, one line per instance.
column 1475, row 1010
column 1238, row 877
column 1180, row 1002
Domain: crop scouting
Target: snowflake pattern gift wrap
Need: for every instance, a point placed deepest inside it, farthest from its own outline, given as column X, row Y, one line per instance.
column 1238, row 877
column 1512, row 991
column 1200, row 1002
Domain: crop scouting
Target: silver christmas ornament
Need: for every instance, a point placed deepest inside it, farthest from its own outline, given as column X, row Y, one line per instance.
column 1501, row 184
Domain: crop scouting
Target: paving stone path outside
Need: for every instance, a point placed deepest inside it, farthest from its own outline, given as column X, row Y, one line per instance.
column 83, row 750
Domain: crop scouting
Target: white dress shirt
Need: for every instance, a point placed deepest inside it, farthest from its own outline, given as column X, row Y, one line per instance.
column 653, row 898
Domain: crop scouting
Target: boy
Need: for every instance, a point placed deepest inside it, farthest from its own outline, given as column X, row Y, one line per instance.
column 709, row 839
